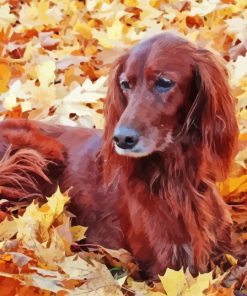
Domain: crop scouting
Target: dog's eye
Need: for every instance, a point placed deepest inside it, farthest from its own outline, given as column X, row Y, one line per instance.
column 163, row 84
column 124, row 84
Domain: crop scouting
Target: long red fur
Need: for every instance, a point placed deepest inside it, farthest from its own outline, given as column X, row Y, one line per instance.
column 164, row 207
column 17, row 172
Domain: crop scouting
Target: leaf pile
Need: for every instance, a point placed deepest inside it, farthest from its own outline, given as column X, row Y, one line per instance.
column 54, row 61
column 36, row 258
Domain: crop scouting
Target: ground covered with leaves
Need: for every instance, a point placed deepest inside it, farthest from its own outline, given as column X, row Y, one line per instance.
column 54, row 61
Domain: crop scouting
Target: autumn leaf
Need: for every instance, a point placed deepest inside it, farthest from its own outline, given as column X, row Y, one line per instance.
column 174, row 282
column 78, row 232
column 233, row 185
column 36, row 221
column 178, row 283
column 5, row 75
column 7, row 229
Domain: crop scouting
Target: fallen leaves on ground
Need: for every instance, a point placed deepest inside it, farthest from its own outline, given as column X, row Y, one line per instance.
column 36, row 257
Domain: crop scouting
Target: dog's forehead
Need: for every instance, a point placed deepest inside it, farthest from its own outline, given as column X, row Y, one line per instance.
column 161, row 50
column 136, row 57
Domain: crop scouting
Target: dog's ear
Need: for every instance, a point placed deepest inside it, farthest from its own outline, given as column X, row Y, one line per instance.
column 114, row 103
column 218, row 124
column 114, row 107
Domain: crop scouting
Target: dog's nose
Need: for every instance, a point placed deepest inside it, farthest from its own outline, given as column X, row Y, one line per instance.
column 126, row 138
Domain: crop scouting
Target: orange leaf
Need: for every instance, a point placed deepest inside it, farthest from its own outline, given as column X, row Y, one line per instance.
column 8, row 286
column 194, row 21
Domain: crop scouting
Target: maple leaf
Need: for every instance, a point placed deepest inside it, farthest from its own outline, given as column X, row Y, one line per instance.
column 177, row 283
column 34, row 226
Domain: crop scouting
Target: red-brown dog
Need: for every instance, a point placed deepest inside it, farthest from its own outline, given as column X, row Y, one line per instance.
column 148, row 183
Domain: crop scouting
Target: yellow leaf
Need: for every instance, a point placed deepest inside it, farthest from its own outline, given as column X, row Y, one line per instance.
column 98, row 275
column 174, row 282
column 40, row 14
column 151, row 293
column 243, row 114
column 233, row 185
column 5, row 75
column 46, row 73
column 193, row 36
column 83, row 29
column 57, row 202
column 36, row 221
column 233, row 261
column 7, row 229
column 131, row 3
column 78, row 232
column 200, row 284
column 90, row 50
column 51, row 253
column 154, row 3
column 115, row 31
column 105, row 42
column 70, row 7
column 26, row 106
column 243, row 137
column 27, row 225
column 141, row 288
column 7, row 257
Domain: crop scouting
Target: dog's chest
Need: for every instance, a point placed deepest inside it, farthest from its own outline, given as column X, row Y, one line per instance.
column 151, row 228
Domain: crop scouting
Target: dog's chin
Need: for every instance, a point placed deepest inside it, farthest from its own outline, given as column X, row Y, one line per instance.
column 134, row 152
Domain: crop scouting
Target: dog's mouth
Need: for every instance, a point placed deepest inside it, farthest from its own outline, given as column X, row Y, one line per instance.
column 136, row 151
column 144, row 147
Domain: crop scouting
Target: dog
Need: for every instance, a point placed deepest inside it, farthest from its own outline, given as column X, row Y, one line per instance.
column 147, row 182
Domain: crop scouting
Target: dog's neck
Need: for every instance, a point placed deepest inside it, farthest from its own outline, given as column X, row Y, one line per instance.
column 180, row 165
column 175, row 167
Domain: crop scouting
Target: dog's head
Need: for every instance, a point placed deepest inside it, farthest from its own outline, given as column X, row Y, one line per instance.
column 166, row 89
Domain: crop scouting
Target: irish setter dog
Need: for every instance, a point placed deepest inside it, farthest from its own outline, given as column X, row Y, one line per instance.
column 147, row 183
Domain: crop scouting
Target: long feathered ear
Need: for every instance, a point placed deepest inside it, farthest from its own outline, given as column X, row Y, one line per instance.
column 114, row 107
column 114, row 103
column 219, row 129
